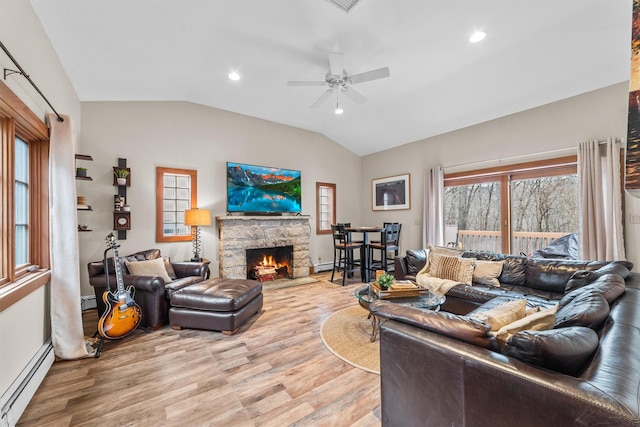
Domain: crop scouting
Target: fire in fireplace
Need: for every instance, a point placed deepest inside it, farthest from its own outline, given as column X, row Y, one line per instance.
column 265, row 264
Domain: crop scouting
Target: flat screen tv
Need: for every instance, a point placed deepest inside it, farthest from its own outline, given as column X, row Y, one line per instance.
column 260, row 189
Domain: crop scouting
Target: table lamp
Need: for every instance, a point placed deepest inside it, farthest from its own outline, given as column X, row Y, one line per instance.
column 196, row 218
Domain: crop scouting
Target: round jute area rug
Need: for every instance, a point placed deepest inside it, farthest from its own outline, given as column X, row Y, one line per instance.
column 347, row 333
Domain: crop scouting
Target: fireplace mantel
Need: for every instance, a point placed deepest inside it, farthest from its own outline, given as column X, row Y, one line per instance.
column 236, row 234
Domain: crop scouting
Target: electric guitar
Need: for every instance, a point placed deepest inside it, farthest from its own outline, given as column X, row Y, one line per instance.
column 122, row 315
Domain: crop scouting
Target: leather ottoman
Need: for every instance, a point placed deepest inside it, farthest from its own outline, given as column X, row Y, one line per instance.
column 215, row 304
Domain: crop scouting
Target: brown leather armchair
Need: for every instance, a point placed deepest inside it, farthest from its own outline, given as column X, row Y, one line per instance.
column 151, row 292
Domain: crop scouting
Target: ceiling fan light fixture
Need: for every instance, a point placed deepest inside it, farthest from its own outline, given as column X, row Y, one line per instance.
column 234, row 76
column 477, row 36
column 338, row 110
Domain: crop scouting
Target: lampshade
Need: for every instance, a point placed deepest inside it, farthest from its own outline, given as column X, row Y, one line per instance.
column 197, row 217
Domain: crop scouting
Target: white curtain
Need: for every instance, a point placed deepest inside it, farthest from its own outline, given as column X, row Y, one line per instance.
column 67, row 334
column 433, row 223
column 600, row 198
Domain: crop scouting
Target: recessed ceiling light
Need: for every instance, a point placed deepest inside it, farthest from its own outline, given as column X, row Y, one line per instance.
column 477, row 36
column 234, row 76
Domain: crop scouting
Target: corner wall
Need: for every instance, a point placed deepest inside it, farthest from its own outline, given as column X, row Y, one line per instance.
column 25, row 326
column 192, row 136
column 549, row 131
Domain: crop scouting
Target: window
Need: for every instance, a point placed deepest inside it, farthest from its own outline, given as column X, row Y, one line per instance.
column 513, row 209
column 176, row 191
column 325, row 207
column 24, row 227
column 21, row 200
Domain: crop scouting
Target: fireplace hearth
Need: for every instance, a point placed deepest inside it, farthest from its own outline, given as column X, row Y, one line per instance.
column 266, row 264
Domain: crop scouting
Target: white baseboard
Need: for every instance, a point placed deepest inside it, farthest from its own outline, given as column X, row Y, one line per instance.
column 15, row 400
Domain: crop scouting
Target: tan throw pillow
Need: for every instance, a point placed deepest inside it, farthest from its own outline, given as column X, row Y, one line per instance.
column 538, row 321
column 503, row 314
column 452, row 268
column 152, row 267
column 441, row 250
column 487, row 272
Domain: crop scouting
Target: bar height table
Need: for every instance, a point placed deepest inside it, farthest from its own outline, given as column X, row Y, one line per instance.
column 365, row 262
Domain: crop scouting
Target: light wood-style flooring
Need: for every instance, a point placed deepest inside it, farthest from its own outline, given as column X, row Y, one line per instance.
column 274, row 372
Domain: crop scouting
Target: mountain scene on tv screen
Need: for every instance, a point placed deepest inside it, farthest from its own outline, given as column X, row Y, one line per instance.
column 261, row 189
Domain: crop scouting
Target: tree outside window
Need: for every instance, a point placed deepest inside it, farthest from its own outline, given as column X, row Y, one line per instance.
column 517, row 209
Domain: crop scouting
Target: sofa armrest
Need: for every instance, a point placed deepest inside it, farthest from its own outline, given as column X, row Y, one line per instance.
column 400, row 265
column 147, row 283
column 469, row 382
column 188, row 268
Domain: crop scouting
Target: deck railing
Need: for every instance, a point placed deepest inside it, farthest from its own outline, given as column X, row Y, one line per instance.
column 525, row 242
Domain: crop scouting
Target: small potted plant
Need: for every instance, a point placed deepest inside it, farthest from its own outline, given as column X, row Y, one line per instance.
column 81, row 172
column 121, row 176
column 385, row 281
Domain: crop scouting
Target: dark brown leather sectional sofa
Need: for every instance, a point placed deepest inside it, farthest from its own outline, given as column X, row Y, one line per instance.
column 445, row 369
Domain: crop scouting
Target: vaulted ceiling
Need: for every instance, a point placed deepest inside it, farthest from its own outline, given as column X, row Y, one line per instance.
column 534, row 53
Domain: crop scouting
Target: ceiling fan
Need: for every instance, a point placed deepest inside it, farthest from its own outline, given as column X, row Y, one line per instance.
column 339, row 80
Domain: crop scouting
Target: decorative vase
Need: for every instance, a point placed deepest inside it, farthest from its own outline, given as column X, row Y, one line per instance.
column 121, row 181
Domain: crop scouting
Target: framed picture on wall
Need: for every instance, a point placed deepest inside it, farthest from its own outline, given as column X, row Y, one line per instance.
column 391, row 193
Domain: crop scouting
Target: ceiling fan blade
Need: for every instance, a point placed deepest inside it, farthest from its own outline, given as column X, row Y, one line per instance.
column 335, row 63
column 354, row 95
column 322, row 99
column 305, row 83
column 380, row 73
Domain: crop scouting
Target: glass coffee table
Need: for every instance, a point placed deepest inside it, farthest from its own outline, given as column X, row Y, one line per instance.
column 424, row 301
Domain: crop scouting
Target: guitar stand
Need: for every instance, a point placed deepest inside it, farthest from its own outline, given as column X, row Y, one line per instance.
column 96, row 333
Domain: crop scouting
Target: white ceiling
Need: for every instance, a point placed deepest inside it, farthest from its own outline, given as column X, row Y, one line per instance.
column 535, row 52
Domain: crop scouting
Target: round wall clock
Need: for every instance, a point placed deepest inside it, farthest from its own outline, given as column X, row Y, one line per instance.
column 122, row 220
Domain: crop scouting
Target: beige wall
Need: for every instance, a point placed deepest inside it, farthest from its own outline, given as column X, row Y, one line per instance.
column 187, row 135
column 191, row 136
column 554, row 129
column 24, row 327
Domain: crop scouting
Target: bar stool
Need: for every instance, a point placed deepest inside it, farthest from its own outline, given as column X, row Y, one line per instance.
column 389, row 242
column 343, row 252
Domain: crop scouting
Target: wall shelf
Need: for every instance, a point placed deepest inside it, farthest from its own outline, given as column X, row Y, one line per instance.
column 83, row 178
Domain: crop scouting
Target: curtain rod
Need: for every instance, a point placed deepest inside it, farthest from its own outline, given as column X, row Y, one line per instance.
column 8, row 72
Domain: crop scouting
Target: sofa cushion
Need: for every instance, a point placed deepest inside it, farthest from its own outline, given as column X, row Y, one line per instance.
column 452, row 268
column 180, row 283
column 563, row 350
column 584, row 277
column 504, row 313
column 610, row 286
column 416, row 259
column 535, row 320
column 588, row 308
column 153, row 267
column 487, row 272
column 513, row 268
column 553, row 275
column 462, row 328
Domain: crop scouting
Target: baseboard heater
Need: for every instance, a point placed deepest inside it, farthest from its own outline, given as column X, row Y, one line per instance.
column 17, row 397
column 327, row 266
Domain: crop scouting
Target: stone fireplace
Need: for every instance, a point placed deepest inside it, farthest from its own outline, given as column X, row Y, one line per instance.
column 238, row 234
